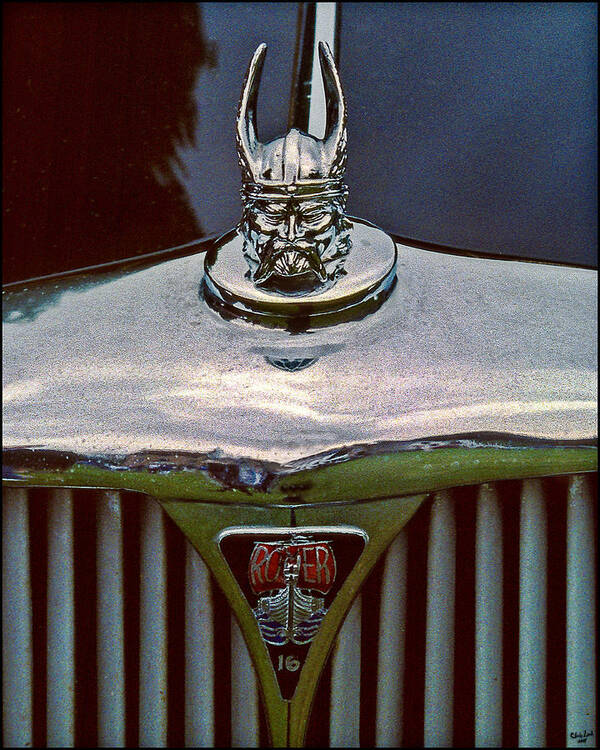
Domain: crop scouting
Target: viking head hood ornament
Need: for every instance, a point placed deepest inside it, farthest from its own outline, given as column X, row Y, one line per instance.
column 296, row 260
column 296, row 236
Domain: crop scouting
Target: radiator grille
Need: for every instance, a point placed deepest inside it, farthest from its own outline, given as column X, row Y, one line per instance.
column 115, row 633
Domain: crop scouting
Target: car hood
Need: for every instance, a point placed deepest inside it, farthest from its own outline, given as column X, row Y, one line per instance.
column 140, row 362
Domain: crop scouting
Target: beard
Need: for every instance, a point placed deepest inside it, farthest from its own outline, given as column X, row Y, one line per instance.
column 296, row 267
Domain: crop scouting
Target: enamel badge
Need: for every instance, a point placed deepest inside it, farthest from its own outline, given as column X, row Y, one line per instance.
column 290, row 577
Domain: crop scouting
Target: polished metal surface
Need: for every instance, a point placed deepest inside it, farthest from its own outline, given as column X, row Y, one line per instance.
column 533, row 609
column 298, row 159
column 488, row 619
column 295, row 254
column 154, row 688
column 366, row 283
column 141, row 363
column 440, row 637
column 392, row 639
column 326, row 29
column 344, row 721
column 581, row 632
column 199, row 650
column 110, row 621
column 60, row 652
column 17, row 634
column 244, row 692
column 165, row 369
column 293, row 225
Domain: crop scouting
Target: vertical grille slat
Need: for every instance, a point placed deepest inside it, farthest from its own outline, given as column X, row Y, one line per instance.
column 153, row 626
column 344, row 719
column 199, row 645
column 439, row 638
column 488, row 619
column 17, row 643
column 110, row 621
column 581, row 612
column 532, row 620
column 466, row 502
column 509, row 495
column 392, row 629
column 60, row 660
column 244, row 692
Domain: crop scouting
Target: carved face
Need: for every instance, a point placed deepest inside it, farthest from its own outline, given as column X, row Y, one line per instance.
column 295, row 245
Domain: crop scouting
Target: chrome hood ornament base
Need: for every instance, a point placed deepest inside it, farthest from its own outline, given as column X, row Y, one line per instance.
column 295, row 253
column 370, row 276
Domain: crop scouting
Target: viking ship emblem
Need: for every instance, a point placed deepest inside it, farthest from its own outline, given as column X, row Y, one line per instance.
column 291, row 579
column 290, row 576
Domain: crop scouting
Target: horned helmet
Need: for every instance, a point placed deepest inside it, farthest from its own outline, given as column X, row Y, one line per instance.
column 295, row 233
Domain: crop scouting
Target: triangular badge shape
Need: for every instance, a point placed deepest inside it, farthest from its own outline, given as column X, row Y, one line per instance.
column 289, row 577
column 238, row 543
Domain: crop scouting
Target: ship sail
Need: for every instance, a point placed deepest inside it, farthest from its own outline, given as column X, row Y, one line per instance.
column 290, row 579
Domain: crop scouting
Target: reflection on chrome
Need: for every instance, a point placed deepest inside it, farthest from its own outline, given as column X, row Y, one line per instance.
column 296, row 236
column 305, row 263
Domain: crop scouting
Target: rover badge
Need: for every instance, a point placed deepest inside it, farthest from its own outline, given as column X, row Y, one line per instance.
column 290, row 577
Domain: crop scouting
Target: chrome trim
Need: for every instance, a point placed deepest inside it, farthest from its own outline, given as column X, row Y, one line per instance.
column 488, row 619
column 533, row 589
column 581, row 615
column 288, row 530
column 110, row 626
column 199, row 649
column 439, row 639
column 60, row 693
column 17, row 636
column 244, row 692
column 325, row 31
column 344, row 721
column 153, row 627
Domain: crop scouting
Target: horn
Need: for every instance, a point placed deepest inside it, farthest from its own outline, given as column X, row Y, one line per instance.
column 246, row 120
column 335, row 129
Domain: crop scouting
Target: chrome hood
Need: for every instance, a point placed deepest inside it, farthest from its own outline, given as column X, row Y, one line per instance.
column 106, row 367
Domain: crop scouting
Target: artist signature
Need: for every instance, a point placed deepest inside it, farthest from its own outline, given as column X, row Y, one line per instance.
column 581, row 737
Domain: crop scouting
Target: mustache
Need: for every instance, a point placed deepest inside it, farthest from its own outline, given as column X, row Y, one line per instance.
column 277, row 245
column 275, row 249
